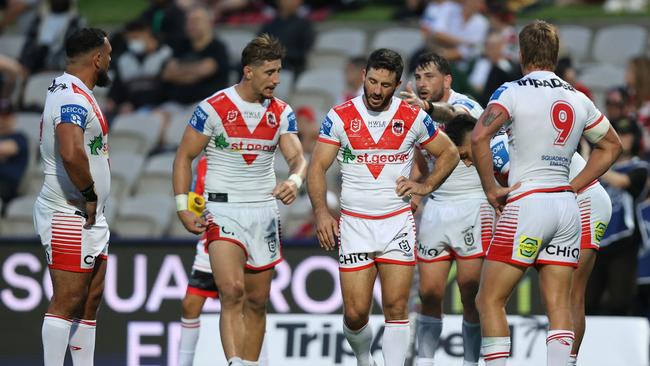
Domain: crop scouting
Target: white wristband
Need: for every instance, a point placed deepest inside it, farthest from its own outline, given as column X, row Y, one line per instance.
column 181, row 202
column 296, row 179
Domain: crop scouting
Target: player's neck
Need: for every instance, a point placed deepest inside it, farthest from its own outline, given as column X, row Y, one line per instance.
column 446, row 95
column 246, row 92
column 528, row 69
column 87, row 77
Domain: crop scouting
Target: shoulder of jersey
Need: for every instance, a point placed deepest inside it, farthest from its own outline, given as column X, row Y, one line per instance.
column 344, row 106
column 61, row 86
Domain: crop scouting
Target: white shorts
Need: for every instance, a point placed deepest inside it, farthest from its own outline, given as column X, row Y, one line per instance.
column 202, row 259
column 460, row 229
column 253, row 226
column 541, row 228
column 68, row 246
column 595, row 212
column 364, row 241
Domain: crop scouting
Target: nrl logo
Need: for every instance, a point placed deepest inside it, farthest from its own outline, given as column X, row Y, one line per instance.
column 355, row 125
column 270, row 120
column 231, row 116
column 398, row 127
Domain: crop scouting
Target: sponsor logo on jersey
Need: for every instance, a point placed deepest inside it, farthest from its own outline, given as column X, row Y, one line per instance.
column 565, row 252
column 382, row 158
column 376, row 124
column 293, row 124
column 554, row 160
column 423, row 251
column 499, row 156
column 326, row 127
column 353, row 258
column 599, row 231
column 549, row 83
column 198, row 119
column 271, row 120
column 74, row 113
column 468, row 235
column 97, row 145
column 398, row 127
column 430, row 125
column 231, row 116
column 252, row 146
column 528, row 247
column 497, row 93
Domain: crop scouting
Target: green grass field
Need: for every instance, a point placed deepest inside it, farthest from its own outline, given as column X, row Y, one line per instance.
column 116, row 12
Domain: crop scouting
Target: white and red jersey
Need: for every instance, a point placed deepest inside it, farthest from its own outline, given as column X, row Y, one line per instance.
column 243, row 140
column 375, row 149
column 202, row 259
column 70, row 101
column 463, row 182
column 547, row 117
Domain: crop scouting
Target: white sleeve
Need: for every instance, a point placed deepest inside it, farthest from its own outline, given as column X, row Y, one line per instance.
column 204, row 119
column 70, row 108
column 288, row 123
column 597, row 124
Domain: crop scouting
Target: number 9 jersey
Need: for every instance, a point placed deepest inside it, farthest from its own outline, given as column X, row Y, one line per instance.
column 547, row 117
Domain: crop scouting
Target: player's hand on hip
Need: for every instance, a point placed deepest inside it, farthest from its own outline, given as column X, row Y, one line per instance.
column 327, row 229
column 91, row 214
column 406, row 187
column 499, row 195
column 194, row 224
column 410, row 97
column 286, row 191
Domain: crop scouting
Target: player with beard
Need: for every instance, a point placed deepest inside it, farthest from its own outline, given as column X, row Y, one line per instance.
column 373, row 138
column 69, row 211
column 240, row 128
column 457, row 220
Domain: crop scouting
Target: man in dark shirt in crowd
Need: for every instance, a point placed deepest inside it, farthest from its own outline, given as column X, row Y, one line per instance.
column 201, row 67
column 13, row 154
column 294, row 32
column 138, row 81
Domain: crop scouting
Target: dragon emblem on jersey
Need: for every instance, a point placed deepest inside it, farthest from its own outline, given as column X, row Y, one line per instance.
column 271, row 120
column 348, row 156
column 220, row 141
column 96, row 144
column 355, row 125
column 528, row 247
column 398, row 127
column 232, row 115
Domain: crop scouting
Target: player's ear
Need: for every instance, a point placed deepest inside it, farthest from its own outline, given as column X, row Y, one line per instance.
column 248, row 72
column 447, row 81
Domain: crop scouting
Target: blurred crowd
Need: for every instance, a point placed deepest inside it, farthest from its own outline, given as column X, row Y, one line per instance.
column 171, row 56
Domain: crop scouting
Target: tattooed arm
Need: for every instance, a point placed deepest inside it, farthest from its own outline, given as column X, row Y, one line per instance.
column 487, row 126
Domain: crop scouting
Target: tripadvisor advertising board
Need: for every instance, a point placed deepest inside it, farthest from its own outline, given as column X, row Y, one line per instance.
column 138, row 322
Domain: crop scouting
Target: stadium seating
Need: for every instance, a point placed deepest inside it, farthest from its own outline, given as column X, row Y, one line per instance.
column 325, row 81
column 144, row 216
column 617, row 44
column 125, row 171
column 36, row 89
column 403, row 40
column 576, row 41
column 135, row 132
column 156, row 177
column 347, row 41
column 19, row 221
column 235, row 41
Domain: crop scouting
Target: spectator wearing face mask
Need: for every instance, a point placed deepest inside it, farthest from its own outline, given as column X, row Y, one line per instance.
column 138, row 82
column 43, row 49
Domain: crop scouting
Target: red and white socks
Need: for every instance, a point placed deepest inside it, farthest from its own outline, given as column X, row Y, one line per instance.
column 558, row 346
column 82, row 342
column 190, row 329
column 496, row 350
column 55, row 334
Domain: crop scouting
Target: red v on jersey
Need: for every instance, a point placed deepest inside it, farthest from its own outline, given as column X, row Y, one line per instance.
column 235, row 126
column 98, row 112
column 391, row 139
